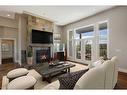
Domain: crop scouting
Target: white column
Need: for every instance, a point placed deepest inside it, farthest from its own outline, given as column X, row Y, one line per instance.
column 96, row 42
column 0, row 53
column 19, row 40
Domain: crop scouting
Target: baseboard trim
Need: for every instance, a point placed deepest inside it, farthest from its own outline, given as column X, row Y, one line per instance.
column 123, row 70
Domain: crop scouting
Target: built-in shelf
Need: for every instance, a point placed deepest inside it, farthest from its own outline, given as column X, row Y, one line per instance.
column 57, row 37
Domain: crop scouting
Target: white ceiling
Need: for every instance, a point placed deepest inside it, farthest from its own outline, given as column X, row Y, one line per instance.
column 61, row 15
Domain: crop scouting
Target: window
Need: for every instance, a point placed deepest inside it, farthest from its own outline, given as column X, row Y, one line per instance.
column 78, row 49
column 87, row 34
column 70, row 43
column 77, row 35
column 70, row 35
column 103, row 40
column 88, row 49
column 87, row 44
column 84, row 43
column 70, row 48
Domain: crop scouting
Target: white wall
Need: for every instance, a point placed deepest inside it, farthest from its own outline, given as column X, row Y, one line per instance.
column 117, row 18
column 8, row 32
column 9, row 29
column 58, row 30
column 9, row 22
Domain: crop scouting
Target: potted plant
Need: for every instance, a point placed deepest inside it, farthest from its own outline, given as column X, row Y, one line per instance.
column 29, row 56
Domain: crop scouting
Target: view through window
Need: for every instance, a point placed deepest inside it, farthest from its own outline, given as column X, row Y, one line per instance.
column 84, row 39
column 103, row 34
column 89, row 43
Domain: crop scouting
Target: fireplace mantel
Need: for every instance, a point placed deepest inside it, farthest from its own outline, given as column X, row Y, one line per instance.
column 41, row 45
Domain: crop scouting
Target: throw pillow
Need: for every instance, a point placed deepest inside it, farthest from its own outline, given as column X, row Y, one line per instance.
column 68, row 81
column 96, row 63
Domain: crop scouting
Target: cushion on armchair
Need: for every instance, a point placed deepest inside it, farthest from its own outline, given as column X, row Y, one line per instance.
column 68, row 81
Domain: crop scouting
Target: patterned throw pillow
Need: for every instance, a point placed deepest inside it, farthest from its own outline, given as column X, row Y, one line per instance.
column 68, row 81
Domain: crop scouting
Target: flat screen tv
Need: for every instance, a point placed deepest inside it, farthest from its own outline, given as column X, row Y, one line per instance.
column 41, row 37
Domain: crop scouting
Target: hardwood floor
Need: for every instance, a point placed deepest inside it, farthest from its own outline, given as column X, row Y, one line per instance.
column 122, row 81
column 5, row 68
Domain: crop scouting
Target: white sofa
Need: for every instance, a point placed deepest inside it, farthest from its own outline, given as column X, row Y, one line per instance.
column 103, row 76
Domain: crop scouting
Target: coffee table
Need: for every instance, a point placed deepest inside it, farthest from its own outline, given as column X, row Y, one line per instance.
column 48, row 72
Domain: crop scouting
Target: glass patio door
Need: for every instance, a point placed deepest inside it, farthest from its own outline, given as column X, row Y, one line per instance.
column 88, row 50
column 78, row 50
column 84, row 44
column 70, row 45
column 88, row 43
column 84, row 50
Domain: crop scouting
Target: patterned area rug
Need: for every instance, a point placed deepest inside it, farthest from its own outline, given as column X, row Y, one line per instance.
column 40, row 84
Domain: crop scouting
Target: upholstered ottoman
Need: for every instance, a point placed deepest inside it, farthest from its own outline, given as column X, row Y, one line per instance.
column 24, row 82
column 17, row 73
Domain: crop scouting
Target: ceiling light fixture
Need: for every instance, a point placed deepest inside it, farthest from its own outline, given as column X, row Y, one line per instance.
column 93, row 9
column 8, row 15
column 43, row 14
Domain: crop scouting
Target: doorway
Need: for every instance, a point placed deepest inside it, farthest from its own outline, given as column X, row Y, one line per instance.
column 7, row 51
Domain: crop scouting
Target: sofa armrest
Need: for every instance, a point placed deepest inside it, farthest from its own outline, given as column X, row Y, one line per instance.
column 93, row 79
column 5, row 82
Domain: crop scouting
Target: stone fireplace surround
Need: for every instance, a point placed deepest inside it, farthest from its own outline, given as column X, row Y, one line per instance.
column 42, row 52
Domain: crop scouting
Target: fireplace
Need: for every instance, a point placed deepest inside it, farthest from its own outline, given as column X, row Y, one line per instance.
column 41, row 54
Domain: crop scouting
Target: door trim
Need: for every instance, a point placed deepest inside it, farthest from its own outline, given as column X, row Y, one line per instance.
column 15, row 48
column 68, row 55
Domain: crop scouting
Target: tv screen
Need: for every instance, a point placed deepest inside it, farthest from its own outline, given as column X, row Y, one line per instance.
column 42, row 37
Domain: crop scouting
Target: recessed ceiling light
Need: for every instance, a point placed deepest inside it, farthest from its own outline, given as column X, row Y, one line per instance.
column 8, row 15
column 43, row 14
column 94, row 9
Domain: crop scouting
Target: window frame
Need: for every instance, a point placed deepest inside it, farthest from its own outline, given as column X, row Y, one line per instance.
column 95, row 39
column 68, row 40
column 101, row 22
